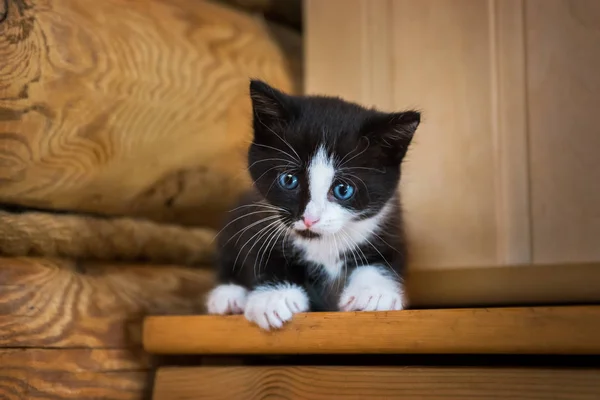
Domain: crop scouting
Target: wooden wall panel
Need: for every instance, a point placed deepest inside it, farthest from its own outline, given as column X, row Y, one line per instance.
column 442, row 66
column 563, row 64
column 347, row 47
column 503, row 170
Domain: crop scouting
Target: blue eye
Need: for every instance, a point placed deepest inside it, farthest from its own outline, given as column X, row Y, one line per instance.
column 343, row 191
column 288, row 181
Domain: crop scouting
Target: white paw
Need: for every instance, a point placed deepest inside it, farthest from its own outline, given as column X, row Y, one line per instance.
column 371, row 289
column 227, row 299
column 272, row 306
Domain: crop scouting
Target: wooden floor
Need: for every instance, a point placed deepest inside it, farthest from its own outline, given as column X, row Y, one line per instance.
column 73, row 330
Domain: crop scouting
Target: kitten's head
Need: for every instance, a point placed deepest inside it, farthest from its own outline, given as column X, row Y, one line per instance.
column 323, row 162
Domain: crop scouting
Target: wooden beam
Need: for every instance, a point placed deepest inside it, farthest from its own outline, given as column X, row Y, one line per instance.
column 532, row 330
column 406, row 383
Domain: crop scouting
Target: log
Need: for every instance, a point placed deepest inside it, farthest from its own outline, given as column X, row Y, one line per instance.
column 61, row 304
column 103, row 239
column 27, row 374
column 130, row 108
column 527, row 330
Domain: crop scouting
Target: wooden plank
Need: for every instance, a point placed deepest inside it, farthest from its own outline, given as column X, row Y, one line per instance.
column 563, row 87
column 509, row 127
column 370, row 383
column 57, row 303
column 505, row 285
column 78, row 374
column 536, row 330
column 442, row 65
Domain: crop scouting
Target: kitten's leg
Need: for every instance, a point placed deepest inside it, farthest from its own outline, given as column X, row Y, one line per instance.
column 227, row 299
column 271, row 305
column 372, row 288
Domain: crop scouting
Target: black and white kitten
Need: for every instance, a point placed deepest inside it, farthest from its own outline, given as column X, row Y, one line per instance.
column 322, row 228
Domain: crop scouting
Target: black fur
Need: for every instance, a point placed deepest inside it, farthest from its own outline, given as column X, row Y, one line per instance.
column 371, row 143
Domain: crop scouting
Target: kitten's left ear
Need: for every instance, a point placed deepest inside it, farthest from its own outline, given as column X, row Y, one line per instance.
column 268, row 103
column 394, row 131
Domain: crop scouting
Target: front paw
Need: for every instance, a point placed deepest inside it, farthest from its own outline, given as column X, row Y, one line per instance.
column 272, row 306
column 367, row 298
column 226, row 299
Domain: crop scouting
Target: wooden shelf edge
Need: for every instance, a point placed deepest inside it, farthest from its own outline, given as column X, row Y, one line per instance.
column 515, row 330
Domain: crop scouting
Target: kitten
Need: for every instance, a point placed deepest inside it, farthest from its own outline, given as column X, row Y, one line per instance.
column 322, row 229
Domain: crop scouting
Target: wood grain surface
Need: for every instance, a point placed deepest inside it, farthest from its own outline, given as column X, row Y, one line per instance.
column 529, row 330
column 137, row 107
column 78, row 374
column 563, row 87
column 54, row 303
column 369, row 383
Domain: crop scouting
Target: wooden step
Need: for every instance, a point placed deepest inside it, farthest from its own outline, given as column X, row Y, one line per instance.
column 372, row 383
column 516, row 330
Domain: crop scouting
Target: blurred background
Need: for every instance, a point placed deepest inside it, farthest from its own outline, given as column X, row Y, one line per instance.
column 140, row 109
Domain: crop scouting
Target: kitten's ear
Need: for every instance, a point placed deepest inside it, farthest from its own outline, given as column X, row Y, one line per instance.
column 394, row 131
column 268, row 103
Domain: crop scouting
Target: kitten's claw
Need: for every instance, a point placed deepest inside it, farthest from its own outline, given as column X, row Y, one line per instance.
column 227, row 299
column 371, row 289
column 272, row 306
column 370, row 299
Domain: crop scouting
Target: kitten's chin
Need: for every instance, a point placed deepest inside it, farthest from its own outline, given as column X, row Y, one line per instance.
column 307, row 234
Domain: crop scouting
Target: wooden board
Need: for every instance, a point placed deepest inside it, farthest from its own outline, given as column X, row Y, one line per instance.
column 77, row 374
column 93, row 94
column 504, row 285
column 563, row 87
column 532, row 330
column 370, row 383
column 55, row 303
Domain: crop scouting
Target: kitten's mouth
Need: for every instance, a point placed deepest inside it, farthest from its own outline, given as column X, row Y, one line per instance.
column 308, row 234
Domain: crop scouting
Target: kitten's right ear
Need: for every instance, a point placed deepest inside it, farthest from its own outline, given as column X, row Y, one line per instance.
column 268, row 103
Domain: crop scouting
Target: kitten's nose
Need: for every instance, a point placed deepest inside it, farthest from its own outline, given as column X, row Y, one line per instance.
column 310, row 221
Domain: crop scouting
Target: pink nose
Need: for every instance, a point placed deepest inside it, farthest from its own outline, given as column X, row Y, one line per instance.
column 308, row 221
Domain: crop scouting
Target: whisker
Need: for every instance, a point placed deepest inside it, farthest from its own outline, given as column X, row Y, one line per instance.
column 357, row 178
column 256, row 223
column 267, row 159
column 292, row 158
column 271, row 169
column 266, row 243
column 280, row 138
column 365, row 168
column 243, row 216
column 382, row 257
column 284, row 229
column 357, row 155
column 272, row 227
column 261, row 231
column 241, row 231
column 259, row 204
